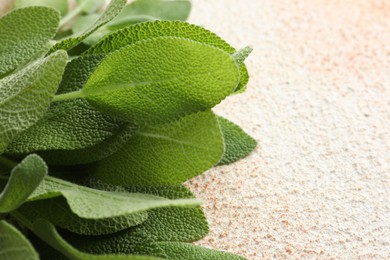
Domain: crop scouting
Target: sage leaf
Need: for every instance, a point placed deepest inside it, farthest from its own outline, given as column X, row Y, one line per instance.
column 47, row 232
column 24, row 35
column 179, row 251
column 153, row 29
column 161, row 79
column 164, row 154
column 57, row 211
column 90, row 154
column 96, row 204
column 111, row 11
column 164, row 224
column 60, row 5
column 238, row 144
column 13, row 245
column 25, row 95
column 25, row 178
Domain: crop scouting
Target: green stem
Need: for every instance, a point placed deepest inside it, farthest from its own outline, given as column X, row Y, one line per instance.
column 68, row 96
column 24, row 221
column 7, row 162
column 72, row 14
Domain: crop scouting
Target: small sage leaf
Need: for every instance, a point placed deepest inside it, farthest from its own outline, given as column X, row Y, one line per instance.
column 25, row 34
column 25, row 95
column 13, row 245
column 24, row 179
column 238, row 144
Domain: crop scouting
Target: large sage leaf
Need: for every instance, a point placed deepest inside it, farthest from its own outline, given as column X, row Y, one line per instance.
column 25, row 96
column 47, row 232
column 24, row 34
column 24, row 179
column 161, row 79
column 238, row 144
column 165, row 154
column 111, row 11
column 96, row 204
column 13, row 245
column 149, row 30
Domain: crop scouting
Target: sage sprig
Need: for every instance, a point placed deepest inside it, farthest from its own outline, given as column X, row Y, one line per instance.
column 105, row 112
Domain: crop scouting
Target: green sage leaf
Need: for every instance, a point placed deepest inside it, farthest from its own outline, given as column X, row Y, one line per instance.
column 238, row 144
column 165, row 154
column 161, row 79
column 25, row 96
column 111, row 11
column 24, row 35
column 24, row 179
column 96, row 204
column 149, row 30
column 13, row 245
column 57, row 211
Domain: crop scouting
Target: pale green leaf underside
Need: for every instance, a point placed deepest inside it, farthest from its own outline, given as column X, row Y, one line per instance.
column 25, row 96
column 238, row 144
column 24, row 179
column 25, row 34
column 165, row 224
column 60, row 5
column 95, row 204
column 149, row 30
column 13, row 245
column 47, row 232
column 57, row 211
column 161, row 79
column 111, row 11
column 90, row 6
column 165, row 154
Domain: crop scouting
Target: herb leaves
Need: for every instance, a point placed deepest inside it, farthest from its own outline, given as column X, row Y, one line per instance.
column 96, row 141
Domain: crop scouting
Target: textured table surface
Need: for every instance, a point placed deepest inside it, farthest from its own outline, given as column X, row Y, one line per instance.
column 318, row 184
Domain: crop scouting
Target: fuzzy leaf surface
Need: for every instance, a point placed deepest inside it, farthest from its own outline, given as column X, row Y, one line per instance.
column 24, row 179
column 153, row 29
column 165, row 154
column 71, row 124
column 238, row 144
column 25, row 34
column 111, row 11
column 96, row 204
column 13, row 245
column 47, row 232
column 57, row 211
column 161, row 79
column 25, row 95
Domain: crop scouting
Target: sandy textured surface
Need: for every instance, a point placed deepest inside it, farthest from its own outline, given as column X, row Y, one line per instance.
column 318, row 185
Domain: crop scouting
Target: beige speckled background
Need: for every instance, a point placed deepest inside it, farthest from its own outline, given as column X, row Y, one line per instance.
column 318, row 184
